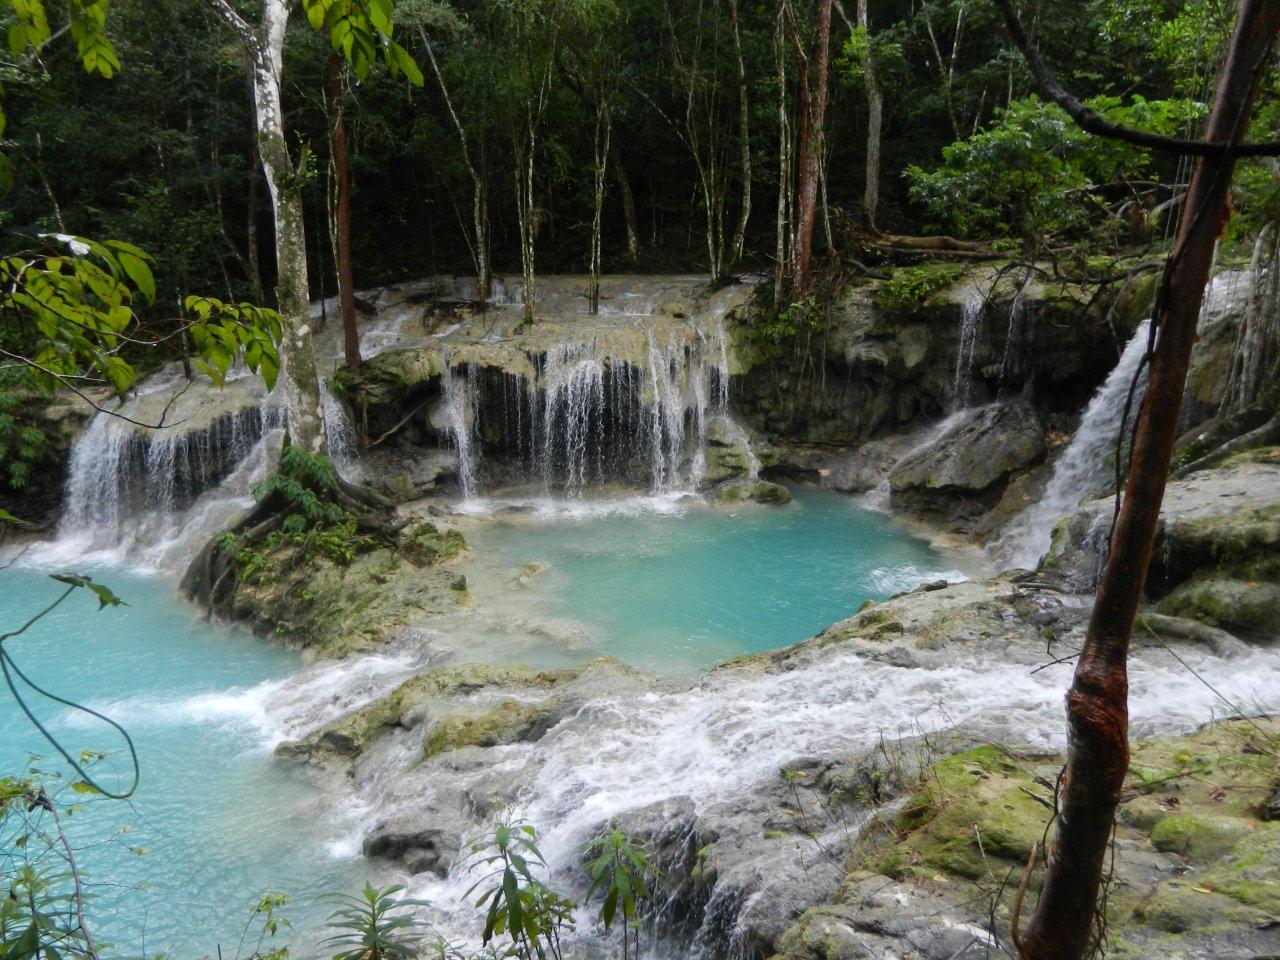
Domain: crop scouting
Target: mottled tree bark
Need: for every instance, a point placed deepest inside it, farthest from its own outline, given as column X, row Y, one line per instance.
column 265, row 47
column 1097, row 703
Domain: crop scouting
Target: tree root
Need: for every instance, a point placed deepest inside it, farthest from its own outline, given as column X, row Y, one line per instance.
column 1268, row 433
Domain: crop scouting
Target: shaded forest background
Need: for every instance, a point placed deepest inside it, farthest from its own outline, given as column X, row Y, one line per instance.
column 163, row 155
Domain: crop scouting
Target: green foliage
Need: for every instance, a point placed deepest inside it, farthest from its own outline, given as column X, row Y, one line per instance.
column 225, row 332
column 375, row 925
column 361, row 31
column 314, row 521
column 518, row 904
column 793, row 321
column 910, row 287
column 25, row 444
column 1031, row 172
column 620, row 867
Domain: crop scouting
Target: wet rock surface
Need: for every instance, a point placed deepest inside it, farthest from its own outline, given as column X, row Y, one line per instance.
column 964, row 471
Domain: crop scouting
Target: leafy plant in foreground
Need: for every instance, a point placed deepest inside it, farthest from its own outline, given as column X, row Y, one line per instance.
column 375, row 925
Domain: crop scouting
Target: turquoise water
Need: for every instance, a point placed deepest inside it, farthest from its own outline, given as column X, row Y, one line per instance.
column 678, row 594
column 221, row 822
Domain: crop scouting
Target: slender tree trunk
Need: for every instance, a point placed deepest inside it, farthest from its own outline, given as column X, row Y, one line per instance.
column 814, row 85
column 744, row 134
column 783, row 224
column 875, row 121
column 304, row 419
column 1097, row 703
column 479, row 184
column 342, row 214
column 604, row 123
column 628, row 201
column 525, row 149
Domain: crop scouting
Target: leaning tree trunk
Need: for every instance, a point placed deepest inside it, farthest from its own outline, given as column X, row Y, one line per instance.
column 628, row 202
column 342, row 214
column 811, row 143
column 1097, row 703
column 479, row 182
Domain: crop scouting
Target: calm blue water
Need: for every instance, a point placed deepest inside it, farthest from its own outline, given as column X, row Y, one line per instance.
column 221, row 822
column 678, row 594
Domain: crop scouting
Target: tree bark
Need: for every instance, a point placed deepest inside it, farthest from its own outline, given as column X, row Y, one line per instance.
column 628, row 201
column 304, row 420
column 875, row 121
column 342, row 214
column 744, row 133
column 603, row 131
column 814, row 108
column 1097, row 707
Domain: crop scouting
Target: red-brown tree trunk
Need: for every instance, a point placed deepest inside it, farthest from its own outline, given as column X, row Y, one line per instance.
column 814, row 109
column 1097, row 703
column 342, row 214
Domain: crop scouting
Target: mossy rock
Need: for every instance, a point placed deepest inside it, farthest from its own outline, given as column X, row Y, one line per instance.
column 508, row 722
column 1251, row 606
column 1181, row 907
column 1257, row 455
column 757, row 491
column 1199, row 837
column 974, row 815
column 425, row 545
column 1250, row 873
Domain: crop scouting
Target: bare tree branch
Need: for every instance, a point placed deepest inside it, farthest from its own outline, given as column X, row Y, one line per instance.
column 1049, row 87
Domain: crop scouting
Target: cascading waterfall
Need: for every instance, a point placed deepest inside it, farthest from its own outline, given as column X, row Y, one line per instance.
column 972, row 313
column 630, row 406
column 460, row 414
column 158, row 489
column 339, row 434
column 1082, row 467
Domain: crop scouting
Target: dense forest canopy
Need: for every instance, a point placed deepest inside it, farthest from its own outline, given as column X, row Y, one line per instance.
column 163, row 154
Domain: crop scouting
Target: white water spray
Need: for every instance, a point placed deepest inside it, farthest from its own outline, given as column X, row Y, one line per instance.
column 1082, row 468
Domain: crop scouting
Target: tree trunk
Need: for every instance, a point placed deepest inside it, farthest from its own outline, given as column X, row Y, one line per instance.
column 601, row 142
column 526, row 147
column 628, row 201
column 303, row 417
column 479, row 184
column 875, row 121
column 744, row 133
column 1097, row 707
column 342, row 214
column 814, row 85
column 783, row 224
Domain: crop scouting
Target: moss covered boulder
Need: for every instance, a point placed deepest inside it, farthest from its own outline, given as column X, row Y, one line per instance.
column 334, row 607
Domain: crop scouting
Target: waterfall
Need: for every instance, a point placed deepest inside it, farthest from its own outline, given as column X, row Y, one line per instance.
column 339, row 434
column 971, row 316
column 459, row 410
column 157, row 491
column 629, row 404
column 1083, row 466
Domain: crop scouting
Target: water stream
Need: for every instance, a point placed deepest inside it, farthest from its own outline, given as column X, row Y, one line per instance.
column 1082, row 467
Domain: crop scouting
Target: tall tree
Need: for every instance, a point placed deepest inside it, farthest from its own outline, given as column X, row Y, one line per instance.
column 1097, row 702
column 813, row 110
column 360, row 30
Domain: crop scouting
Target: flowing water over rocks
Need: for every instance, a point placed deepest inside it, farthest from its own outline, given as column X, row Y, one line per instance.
column 611, row 423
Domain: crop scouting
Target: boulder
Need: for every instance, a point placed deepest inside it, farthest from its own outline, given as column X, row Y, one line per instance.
column 964, row 471
column 756, row 491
